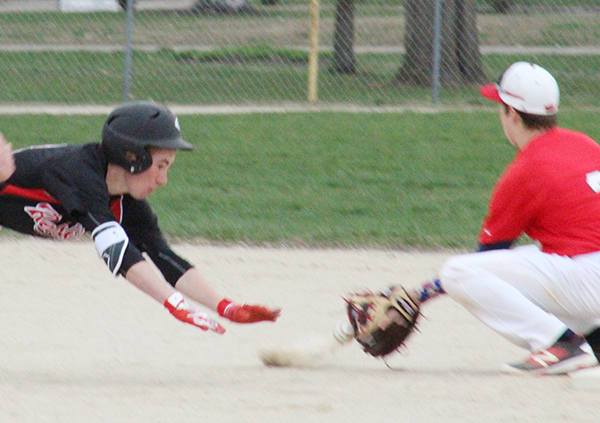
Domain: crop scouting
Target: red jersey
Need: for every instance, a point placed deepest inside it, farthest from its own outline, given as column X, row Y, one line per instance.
column 551, row 192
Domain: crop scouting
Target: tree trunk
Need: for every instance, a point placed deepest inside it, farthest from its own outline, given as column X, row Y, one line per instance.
column 502, row 6
column 343, row 38
column 460, row 59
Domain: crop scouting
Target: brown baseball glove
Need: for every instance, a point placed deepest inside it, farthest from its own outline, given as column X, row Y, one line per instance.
column 382, row 321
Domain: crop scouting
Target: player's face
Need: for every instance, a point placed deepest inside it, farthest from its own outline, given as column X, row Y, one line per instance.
column 145, row 183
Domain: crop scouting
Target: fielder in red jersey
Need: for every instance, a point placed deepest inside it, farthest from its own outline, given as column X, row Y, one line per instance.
column 550, row 193
column 543, row 297
column 64, row 191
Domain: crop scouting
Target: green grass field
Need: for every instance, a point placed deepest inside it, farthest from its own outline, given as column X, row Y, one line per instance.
column 405, row 180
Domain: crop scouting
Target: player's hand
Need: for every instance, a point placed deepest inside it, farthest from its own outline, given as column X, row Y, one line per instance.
column 247, row 313
column 180, row 309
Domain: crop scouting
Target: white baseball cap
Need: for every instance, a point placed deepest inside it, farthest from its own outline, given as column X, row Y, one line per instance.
column 526, row 87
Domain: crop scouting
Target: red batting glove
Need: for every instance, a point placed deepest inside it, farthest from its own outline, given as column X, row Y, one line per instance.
column 247, row 313
column 181, row 310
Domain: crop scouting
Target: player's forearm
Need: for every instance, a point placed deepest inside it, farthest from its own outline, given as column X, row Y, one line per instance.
column 145, row 278
column 194, row 286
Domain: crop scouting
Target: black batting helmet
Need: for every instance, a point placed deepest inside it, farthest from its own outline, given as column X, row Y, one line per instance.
column 131, row 128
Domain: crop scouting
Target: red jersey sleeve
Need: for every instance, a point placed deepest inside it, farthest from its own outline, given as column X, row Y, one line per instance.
column 512, row 204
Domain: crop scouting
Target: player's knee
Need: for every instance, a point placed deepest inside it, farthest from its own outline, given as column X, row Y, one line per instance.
column 454, row 273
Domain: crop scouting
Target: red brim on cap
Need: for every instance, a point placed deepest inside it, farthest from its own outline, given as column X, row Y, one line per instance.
column 490, row 91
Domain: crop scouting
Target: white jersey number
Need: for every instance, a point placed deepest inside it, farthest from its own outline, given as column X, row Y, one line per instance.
column 593, row 180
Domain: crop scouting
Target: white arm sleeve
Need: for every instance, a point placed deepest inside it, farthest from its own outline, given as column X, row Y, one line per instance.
column 111, row 241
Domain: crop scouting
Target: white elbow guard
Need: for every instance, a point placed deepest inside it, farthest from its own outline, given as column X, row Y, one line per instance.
column 111, row 242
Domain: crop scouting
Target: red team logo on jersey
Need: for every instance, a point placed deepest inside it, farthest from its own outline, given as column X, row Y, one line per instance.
column 47, row 223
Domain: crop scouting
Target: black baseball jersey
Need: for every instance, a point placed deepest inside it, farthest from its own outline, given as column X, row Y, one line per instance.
column 60, row 192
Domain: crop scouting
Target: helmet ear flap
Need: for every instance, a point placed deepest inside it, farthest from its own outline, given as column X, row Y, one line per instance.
column 134, row 158
column 137, row 163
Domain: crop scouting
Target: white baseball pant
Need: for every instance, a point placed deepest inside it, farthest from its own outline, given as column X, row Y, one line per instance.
column 527, row 296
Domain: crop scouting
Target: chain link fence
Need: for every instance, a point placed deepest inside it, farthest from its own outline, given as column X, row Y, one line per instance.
column 278, row 52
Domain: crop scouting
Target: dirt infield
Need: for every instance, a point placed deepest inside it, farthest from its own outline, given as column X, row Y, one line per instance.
column 77, row 345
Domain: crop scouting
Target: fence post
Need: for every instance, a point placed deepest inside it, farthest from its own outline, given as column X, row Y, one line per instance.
column 128, row 52
column 313, row 54
column 437, row 45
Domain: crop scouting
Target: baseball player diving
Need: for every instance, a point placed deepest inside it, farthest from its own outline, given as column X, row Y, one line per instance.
column 543, row 297
column 64, row 191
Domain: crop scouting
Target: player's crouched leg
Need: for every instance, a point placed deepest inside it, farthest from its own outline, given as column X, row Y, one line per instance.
column 455, row 276
column 479, row 283
column 472, row 280
column 469, row 281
